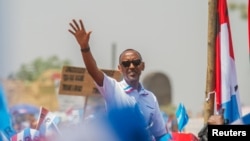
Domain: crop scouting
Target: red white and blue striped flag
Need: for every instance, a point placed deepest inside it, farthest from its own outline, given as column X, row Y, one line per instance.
column 227, row 92
column 47, row 123
column 26, row 134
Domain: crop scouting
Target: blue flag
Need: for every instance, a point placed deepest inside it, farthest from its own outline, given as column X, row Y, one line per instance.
column 5, row 122
column 244, row 120
column 182, row 117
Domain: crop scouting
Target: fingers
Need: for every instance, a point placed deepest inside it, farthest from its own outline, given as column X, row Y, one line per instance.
column 82, row 27
column 215, row 120
column 75, row 26
column 71, row 32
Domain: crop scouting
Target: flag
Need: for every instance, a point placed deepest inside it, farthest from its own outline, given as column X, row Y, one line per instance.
column 47, row 122
column 226, row 85
column 3, row 137
column 26, row 134
column 5, row 122
column 182, row 117
column 244, row 120
column 76, row 115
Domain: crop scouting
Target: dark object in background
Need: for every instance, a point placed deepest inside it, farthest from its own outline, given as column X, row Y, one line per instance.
column 203, row 133
column 24, row 109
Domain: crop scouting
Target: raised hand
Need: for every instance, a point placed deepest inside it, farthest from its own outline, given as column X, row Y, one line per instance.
column 80, row 33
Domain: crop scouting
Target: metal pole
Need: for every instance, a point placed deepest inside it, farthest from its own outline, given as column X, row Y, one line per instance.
column 85, row 106
column 113, row 59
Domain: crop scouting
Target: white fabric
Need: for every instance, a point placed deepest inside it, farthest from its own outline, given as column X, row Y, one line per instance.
column 120, row 94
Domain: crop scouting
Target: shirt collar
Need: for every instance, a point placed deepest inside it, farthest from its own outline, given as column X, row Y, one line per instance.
column 128, row 89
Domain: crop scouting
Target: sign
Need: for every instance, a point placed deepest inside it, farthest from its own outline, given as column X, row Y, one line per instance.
column 77, row 81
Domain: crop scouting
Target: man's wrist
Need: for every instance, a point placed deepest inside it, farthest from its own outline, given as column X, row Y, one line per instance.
column 84, row 50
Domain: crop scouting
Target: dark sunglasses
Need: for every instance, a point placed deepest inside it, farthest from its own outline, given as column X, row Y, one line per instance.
column 134, row 62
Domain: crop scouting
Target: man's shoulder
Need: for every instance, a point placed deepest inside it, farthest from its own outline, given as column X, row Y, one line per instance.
column 149, row 93
column 111, row 79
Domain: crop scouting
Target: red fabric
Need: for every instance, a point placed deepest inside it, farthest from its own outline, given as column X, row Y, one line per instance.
column 184, row 136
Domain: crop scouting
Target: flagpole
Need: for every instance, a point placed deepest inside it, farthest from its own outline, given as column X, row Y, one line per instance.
column 210, row 81
column 85, row 106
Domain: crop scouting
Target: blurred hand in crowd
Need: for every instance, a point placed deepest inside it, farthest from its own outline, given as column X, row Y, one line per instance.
column 216, row 120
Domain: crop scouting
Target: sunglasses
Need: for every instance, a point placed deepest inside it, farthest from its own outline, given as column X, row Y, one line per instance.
column 134, row 62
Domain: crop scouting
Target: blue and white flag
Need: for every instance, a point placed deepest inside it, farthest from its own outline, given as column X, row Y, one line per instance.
column 5, row 122
column 244, row 120
column 181, row 116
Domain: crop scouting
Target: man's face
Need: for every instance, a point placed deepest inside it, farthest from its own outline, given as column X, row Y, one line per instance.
column 130, row 66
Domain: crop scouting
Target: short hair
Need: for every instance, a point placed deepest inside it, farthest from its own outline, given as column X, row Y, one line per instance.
column 130, row 49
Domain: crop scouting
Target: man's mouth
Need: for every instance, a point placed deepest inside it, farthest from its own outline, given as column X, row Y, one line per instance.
column 132, row 73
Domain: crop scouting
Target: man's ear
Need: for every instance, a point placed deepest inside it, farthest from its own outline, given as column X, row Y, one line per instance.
column 142, row 66
column 119, row 68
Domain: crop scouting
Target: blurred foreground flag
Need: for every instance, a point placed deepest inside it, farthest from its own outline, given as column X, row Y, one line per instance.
column 181, row 116
column 3, row 137
column 27, row 134
column 244, row 120
column 227, row 93
column 5, row 122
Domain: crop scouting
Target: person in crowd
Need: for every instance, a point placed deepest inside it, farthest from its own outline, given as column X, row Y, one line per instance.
column 129, row 92
column 212, row 120
column 216, row 120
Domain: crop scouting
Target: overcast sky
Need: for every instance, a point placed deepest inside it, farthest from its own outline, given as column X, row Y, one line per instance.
column 170, row 34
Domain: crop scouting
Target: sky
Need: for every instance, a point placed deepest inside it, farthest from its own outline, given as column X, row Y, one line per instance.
column 171, row 36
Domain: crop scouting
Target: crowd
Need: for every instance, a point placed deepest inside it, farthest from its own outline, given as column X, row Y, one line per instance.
column 116, row 125
column 132, row 112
